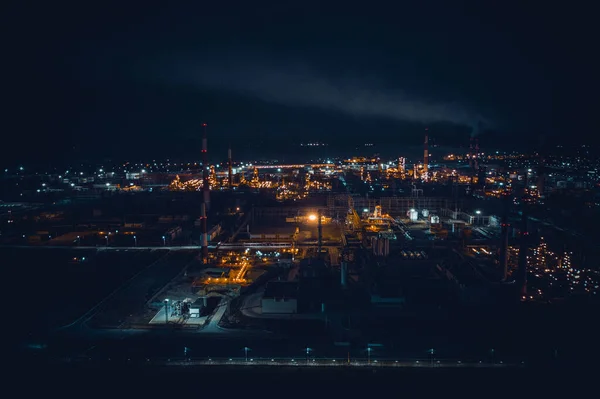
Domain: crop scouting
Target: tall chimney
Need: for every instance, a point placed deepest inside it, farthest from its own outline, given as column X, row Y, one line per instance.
column 205, row 185
column 504, row 238
column 522, row 268
column 475, row 164
column 470, row 156
column 320, row 232
column 230, row 168
column 426, row 155
column 204, row 234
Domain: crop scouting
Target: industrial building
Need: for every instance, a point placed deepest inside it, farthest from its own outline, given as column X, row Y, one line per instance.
column 280, row 297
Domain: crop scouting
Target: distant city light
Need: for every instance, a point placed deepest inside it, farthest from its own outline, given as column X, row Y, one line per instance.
column 312, row 217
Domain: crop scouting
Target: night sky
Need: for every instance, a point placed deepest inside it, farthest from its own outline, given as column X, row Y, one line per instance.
column 114, row 80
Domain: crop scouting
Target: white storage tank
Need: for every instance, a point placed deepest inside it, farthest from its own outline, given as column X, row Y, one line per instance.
column 435, row 219
column 413, row 215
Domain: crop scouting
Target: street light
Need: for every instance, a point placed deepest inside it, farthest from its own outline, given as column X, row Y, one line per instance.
column 78, row 240
column 312, row 217
column 308, row 350
column 135, row 241
column 478, row 212
column 164, row 241
column 492, row 351
column 106, row 236
column 246, row 349
column 431, row 352
column 369, row 349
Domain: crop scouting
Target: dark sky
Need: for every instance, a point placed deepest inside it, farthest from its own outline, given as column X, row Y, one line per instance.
column 120, row 80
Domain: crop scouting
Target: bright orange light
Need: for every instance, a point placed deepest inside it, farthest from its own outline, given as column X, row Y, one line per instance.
column 312, row 217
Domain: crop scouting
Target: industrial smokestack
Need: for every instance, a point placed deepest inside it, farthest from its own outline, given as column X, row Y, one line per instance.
column 471, row 152
column 205, row 166
column 426, row 155
column 476, row 155
column 320, row 232
column 522, row 268
column 504, row 238
column 230, row 168
column 204, row 234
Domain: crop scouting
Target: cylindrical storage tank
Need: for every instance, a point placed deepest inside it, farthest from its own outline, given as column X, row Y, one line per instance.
column 414, row 215
column 425, row 213
column 435, row 219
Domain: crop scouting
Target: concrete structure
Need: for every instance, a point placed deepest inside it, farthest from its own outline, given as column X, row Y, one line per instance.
column 280, row 297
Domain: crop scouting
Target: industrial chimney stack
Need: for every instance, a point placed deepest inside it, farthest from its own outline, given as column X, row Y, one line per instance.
column 229, row 168
column 426, row 155
column 475, row 164
column 205, row 185
column 523, row 247
column 470, row 156
column 504, row 238
column 320, row 231
column 204, row 234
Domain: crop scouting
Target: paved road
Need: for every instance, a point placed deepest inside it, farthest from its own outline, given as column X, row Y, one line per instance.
column 213, row 325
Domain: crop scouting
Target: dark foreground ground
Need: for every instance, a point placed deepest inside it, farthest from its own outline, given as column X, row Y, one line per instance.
column 80, row 380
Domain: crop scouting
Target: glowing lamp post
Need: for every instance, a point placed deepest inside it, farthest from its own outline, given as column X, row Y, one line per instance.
column 246, row 349
column 431, row 352
column 312, row 217
column 135, row 241
column 164, row 241
column 308, row 350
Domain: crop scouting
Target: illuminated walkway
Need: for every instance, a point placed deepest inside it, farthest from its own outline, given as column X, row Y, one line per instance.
column 303, row 362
